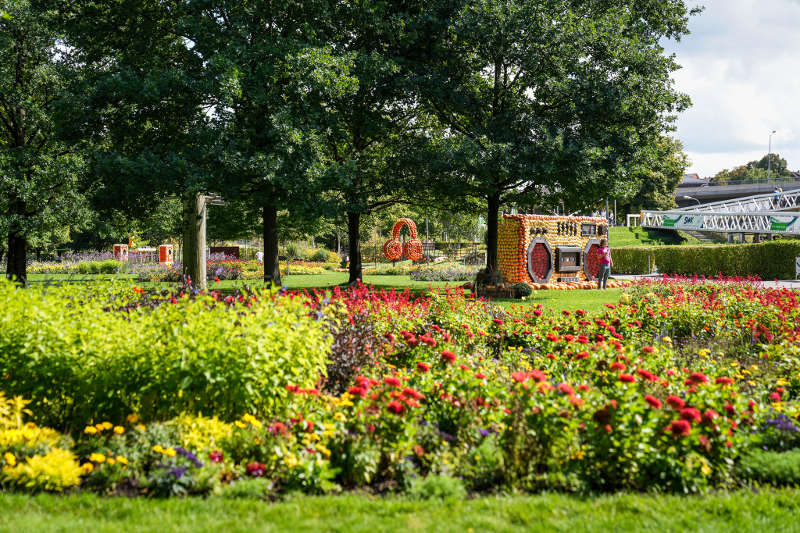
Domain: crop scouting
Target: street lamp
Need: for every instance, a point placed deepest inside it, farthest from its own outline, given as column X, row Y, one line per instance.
column 685, row 197
column 769, row 155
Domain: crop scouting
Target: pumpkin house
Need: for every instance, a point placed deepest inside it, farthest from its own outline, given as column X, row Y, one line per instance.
column 540, row 249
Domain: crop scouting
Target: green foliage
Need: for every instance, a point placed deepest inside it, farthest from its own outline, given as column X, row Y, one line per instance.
column 772, row 468
column 522, row 290
column 772, row 165
column 769, row 260
column 253, row 488
column 54, row 471
column 101, row 355
column 437, row 487
column 109, row 266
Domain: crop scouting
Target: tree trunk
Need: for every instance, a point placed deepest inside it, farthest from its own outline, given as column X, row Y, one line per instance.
column 16, row 269
column 354, row 238
column 492, row 266
column 194, row 239
column 272, row 267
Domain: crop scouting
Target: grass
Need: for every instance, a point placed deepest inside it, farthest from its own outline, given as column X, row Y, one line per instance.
column 739, row 511
column 620, row 236
column 588, row 300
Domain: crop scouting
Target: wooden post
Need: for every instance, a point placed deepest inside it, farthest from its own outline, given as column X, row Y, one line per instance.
column 194, row 239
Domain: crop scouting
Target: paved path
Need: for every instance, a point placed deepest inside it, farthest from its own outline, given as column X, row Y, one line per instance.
column 783, row 284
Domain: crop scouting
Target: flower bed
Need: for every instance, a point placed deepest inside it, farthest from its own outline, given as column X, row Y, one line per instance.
column 668, row 390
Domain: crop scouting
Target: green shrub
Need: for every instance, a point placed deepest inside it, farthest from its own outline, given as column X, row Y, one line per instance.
column 774, row 468
column 320, row 255
column 522, row 290
column 773, row 259
column 82, row 353
column 255, row 489
column 437, row 487
column 109, row 266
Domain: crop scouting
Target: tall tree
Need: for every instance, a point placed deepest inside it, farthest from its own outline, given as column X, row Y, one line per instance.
column 40, row 173
column 278, row 68
column 657, row 176
column 550, row 102
column 369, row 131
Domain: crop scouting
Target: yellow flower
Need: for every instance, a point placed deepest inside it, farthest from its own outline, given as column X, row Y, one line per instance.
column 111, row 460
column 734, row 363
column 239, row 424
column 119, row 430
column 10, row 459
column 90, row 430
column 97, row 458
column 705, row 469
column 107, row 425
column 87, row 468
column 323, row 450
column 132, row 418
column 170, row 451
column 158, row 448
column 339, row 417
column 141, row 427
column 290, row 460
column 121, row 460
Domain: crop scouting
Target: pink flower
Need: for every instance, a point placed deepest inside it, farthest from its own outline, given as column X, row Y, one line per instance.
column 422, row 367
column 448, row 356
column 690, row 414
column 392, row 381
column 216, row 456
column 566, row 388
column 626, row 378
column 680, row 428
column 395, row 407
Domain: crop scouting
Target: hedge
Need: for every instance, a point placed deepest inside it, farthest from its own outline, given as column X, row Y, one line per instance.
column 103, row 351
column 769, row 260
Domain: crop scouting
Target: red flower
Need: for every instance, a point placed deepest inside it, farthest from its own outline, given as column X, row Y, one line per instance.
column 690, row 414
column 724, row 381
column 480, row 375
column 278, row 428
column 358, row 391
column 256, row 469
column 676, row 402
column 626, row 378
column 291, row 388
column 216, row 456
column 709, row 416
column 497, row 321
column 422, row 367
column 698, row 378
column 566, row 388
column 680, row 428
column 395, row 407
column 583, row 387
column 408, row 391
column 648, row 349
column 538, row 376
column 729, row 408
column 552, row 337
column 582, row 355
column 449, row 357
column 775, row 396
column 649, row 376
column 392, row 381
column 654, row 402
column 520, row 377
column 616, row 365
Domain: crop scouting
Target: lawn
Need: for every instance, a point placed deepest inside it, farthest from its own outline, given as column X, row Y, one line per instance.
column 738, row 511
column 588, row 300
column 620, row 236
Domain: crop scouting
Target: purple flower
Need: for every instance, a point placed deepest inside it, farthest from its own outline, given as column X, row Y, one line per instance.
column 178, row 471
column 485, row 432
column 190, row 456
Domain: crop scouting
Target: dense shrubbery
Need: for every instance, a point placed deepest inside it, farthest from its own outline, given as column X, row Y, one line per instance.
column 81, row 356
column 768, row 260
column 444, row 272
column 669, row 390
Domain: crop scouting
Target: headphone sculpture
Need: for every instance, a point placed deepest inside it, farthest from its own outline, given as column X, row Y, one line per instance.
column 393, row 249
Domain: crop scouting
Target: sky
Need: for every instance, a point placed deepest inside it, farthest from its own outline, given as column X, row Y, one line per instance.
column 741, row 68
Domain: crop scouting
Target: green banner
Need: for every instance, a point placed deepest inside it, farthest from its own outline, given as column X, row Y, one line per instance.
column 670, row 222
column 776, row 224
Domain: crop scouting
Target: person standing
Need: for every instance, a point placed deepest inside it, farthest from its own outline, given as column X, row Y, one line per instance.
column 605, row 264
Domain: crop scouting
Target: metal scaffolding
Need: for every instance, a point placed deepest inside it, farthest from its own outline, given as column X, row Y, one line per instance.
column 769, row 214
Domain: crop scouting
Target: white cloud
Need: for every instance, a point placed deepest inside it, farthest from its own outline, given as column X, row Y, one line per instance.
column 741, row 67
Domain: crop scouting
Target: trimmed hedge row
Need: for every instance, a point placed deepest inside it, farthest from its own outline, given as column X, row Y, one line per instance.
column 769, row 260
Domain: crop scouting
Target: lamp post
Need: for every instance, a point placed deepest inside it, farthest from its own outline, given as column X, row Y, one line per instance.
column 685, row 197
column 769, row 155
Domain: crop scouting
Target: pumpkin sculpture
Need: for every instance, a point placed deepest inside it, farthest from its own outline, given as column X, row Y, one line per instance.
column 393, row 249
